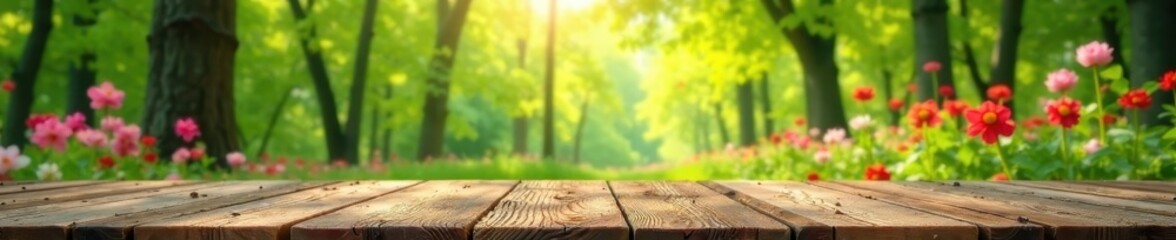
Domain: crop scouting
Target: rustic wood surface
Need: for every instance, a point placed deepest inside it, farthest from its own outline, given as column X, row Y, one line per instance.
column 588, row 210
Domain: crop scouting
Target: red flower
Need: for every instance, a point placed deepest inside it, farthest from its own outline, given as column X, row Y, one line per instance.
column 1109, row 118
column 8, row 85
column 924, row 114
column 895, row 104
column 1064, row 112
column 1034, row 122
column 106, row 162
column 813, row 176
column 863, row 94
column 37, row 119
column 1000, row 93
column 955, row 107
column 777, row 138
column 947, row 92
column 1167, row 82
column 877, row 172
column 1000, row 177
column 150, row 157
column 989, row 121
column 147, row 141
column 1135, row 99
column 799, row 121
column 932, row 66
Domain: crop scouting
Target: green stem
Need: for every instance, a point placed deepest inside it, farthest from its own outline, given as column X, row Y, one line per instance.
column 1066, row 155
column 935, row 87
column 1004, row 165
column 929, row 162
column 1098, row 102
column 1138, row 137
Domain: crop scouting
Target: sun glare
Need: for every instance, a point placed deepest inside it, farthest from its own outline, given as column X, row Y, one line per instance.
column 564, row 5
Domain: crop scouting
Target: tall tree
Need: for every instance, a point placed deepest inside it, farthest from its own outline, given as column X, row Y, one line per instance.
column 21, row 102
column 1004, row 57
column 440, row 65
column 520, row 122
column 342, row 143
column 931, row 44
column 579, row 140
column 766, row 105
column 1152, row 49
column 549, row 87
column 192, row 48
column 745, row 99
column 81, row 73
column 722, row 124
column 816, row 53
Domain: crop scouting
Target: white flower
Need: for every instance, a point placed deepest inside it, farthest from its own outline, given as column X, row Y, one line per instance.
column 822, row 156
column 834, row 135
column 814, row 132
column 1092, row 146
column 860, row 122
column 11, row 160
column 48, row 172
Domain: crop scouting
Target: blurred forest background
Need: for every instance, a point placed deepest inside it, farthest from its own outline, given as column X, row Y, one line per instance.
column 633, row 82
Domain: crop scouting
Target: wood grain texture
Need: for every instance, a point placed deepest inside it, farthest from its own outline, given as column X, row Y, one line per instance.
column 687, row 210
column 1154, row 186
column 991, row 226
column 80, row 193
column 1160, row 208
column 54, row 221
column 121, row 226
column 430, row 210
column 1063, row 220
column 1125, row 193
column 555, row 210
column 270, row 218
column 26, row 186
column 850, row 216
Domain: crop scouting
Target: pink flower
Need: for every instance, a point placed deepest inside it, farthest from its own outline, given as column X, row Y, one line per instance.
column 1061, row 80
column 112, row 123
column 91, row 138
column 181, row 156
column 822, row 156
column 834, row 136
column 126, row 141
column 173, row 176
column 1095, row 54
column 931, row 66
column 10, row 159
column 235, row 159
column 37, row 119
column 1092, row 146
column 187, row 129
column 76, row 122
column 105, row 96
column 51, row 134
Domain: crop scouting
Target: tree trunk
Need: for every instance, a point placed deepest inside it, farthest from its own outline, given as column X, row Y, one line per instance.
column 549, row 88
column 888, row 93
column 520, row 122
column 745, row 96
column 359, row 80
column 766, row 106
column 931, row 44
column 437, row 99
column 1110, row 32
column 816, row 53
column 386, row 142
column 273, row 121
column 1152, row 50
column 723, row 135
column 1004, row 59
column 81, row 74
column 329, row 114
column 374, row 134
column 21, row 102
column 580, row 131
column 192, row 48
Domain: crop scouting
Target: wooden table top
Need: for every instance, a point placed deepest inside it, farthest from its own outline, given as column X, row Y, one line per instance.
column 587, row 210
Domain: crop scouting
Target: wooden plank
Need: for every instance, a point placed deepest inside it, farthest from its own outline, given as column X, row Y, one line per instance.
column 1153, row 186
column 687, row 210
column 36, row 198
column 270, row 218
column 990, row 226
column 1063, row 220
column 121, row 226
column 54, row 221
column 1095, row 189
column 430, row 210
column 555, row 210
column 1164, row 208
column 18, row 187
column 846, row 216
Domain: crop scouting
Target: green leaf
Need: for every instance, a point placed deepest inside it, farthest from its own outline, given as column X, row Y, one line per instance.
column 1150, row 87
column 1170, row 135
column 1114, row 72
column 1120, row 86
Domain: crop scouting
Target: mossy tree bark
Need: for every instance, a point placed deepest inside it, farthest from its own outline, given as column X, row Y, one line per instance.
column 436, row 101
column 192, row 48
